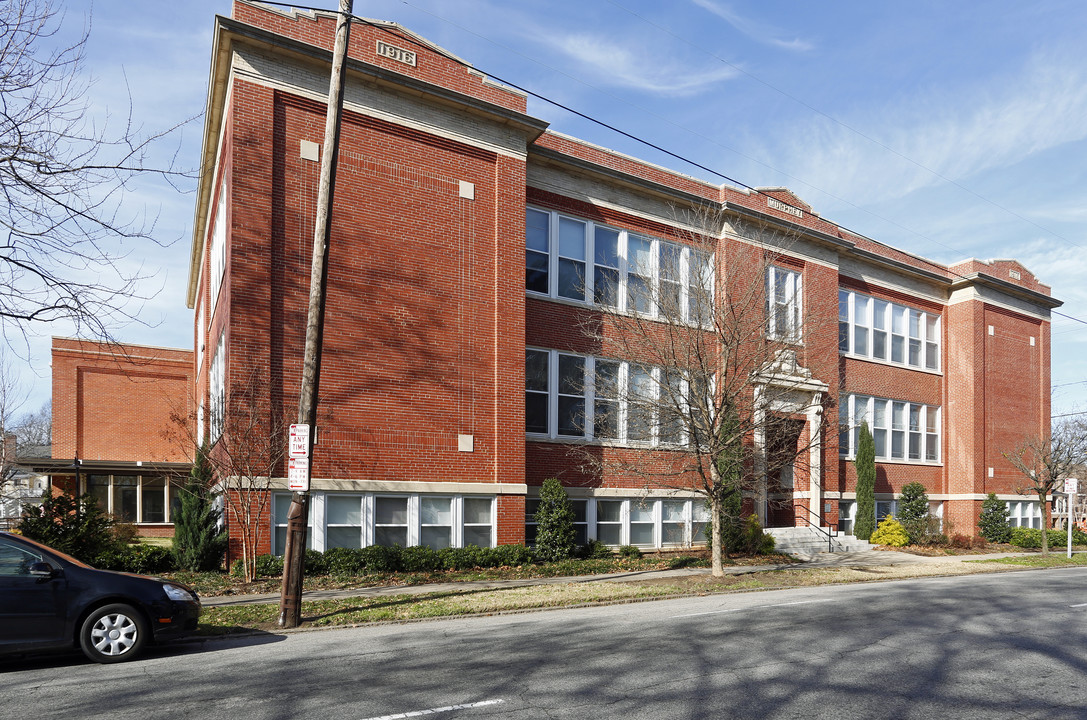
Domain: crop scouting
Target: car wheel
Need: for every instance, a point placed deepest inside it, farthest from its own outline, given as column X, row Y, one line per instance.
column 113, row 633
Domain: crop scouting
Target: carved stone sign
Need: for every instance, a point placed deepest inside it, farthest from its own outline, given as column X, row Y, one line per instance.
column 395, row 53
column 783, row 207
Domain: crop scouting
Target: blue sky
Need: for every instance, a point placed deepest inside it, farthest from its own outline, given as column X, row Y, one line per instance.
column 940, row 128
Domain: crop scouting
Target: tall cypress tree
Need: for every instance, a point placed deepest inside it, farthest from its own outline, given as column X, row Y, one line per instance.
column 198, row 543
column 866, row 484
column 729, row 466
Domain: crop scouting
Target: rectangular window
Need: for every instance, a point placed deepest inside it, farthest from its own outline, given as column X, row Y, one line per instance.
column 217, row 390
column 606, row 274
column 281, row 503
column 343, row 521
column 642, row 526
column 436, row 522
column 609, row 521
column 783, row 304
column 537, row 250
column 881, row 330
column 477, row 528
column 846, row 516
column 132, row 498
column 900, row 430
column 571, row 396
column 606, row 419
column 217, row 251
column 391, row 521
column 536, row 391
column 579, row 260
column 641, row 398
column 673, row 522
column 572, row 282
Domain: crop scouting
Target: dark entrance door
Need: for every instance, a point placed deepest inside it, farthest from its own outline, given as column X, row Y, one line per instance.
column 782, row 439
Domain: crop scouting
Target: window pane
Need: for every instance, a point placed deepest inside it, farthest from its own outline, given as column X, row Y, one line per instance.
column 390, row 511
column 154, row 500
column 673, row 533
column 672, row 510
column 608, row 510
column 343, row 510
column 536, row 370
column 932, row 419
column 932, row 447
column 571, row 416
column 843, row 306
column 571, row 375
column 435, row 511
column 639, row 255
column 536, row 412
column 571, row 279
column 480, row 536
column 609, row 534
column 391, row 536
column 337, row 537
column 536, row 224
column 641, row 513
column 477, row 510
column 571, row 239
column 932, row 356
column 639, row 294
column 282, row 505
column 606, row 247
column 606, row 419
column 880, row 438
column 436, row 537
column 879, row 315
column 124, row 497
column 536, row 272
column 898, row 347
column 606, row 287
column 98, row 488
column 641, row 534
column 579, row 510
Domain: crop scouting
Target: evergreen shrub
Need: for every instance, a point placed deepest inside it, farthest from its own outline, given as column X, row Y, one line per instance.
column 866, row 484
column 630, row 551
column 993, row 521
column 891, row 533
column 554, row 523
column 70, row 524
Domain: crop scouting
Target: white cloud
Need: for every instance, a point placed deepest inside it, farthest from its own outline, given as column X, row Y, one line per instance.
column 756, row 31
column 944, row 136
column 635, row 67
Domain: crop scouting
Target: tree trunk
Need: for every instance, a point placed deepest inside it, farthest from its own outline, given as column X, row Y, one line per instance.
column 715, row 540
column 1045, row 522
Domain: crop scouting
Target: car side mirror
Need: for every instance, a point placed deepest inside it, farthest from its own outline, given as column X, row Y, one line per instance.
column 43, row 570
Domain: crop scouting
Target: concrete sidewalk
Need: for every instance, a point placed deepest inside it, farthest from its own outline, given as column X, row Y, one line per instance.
column 868, row 558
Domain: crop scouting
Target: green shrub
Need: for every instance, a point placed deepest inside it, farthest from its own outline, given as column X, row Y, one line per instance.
column 630, row 551
column 913, row 513
column 381, row 558
column 314, row 563
column 141, row 559
column 866, row 483
column 755, row 541
column 345, row 561
column 1031, row 538
column 73, row 525
column 269, row 565
column 594, row 550
column 420, row 558
column 506, row 556
column 554, row 523
column 890, row 532
column 198, row 542
column 993, row 521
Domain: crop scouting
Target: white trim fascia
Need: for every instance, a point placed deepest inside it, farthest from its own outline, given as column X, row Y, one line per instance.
column 420, row 487
column 971, row 293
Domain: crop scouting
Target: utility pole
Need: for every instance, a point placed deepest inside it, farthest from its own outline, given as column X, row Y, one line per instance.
column 290, row 600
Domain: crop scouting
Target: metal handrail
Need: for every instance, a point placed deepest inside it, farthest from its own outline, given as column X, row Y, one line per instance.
column 831, row 528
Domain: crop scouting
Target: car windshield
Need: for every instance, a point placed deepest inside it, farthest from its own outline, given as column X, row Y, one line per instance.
column 63, row 556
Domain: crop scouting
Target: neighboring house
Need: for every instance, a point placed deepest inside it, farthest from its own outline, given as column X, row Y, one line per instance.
column 119, row 428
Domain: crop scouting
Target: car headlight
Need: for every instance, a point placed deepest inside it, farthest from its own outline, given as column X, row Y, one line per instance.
column 175, row 592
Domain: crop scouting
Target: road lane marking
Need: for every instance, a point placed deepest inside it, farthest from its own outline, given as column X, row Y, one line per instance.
column 435, row 711
column 1080, row 605
column 753, row 607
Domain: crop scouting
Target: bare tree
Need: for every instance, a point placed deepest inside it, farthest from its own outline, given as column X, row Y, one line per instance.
column 701, row 358
column 64, row 219
column 248, row 446
column 12, row 397
column 1046, row 461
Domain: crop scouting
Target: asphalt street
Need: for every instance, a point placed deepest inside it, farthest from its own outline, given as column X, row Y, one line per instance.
column 1010, row 645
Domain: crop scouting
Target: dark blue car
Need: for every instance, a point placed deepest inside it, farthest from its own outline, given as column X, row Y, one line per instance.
column 50, row 601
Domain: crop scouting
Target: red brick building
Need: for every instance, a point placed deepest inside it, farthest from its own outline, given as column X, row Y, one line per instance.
column 458, row 223
column 115, row 430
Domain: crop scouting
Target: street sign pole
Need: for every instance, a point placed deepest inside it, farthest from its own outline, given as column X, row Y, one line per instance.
column 1070, row 491
column 290, row 600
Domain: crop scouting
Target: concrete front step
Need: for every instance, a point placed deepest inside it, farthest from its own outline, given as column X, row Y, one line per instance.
column 806, row 540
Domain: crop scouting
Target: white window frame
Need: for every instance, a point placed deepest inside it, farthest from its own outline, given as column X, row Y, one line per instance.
column 625, row 401
column 317, row 535
column 915, row 334
column 217, row 252
column 784, row 320
column 1024, row 513
column 855, row 408
column 686, row 273
column 217, row 390
column 111, row 496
